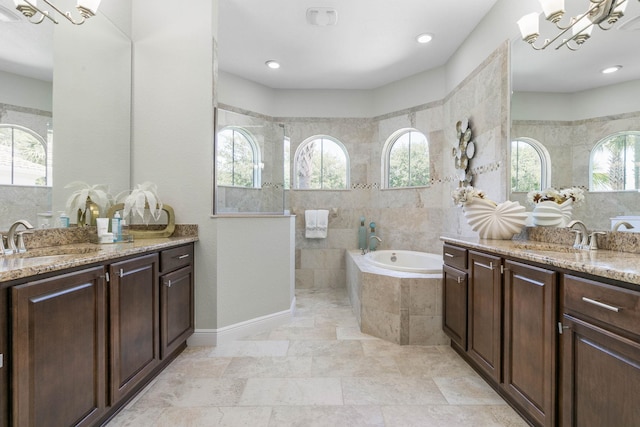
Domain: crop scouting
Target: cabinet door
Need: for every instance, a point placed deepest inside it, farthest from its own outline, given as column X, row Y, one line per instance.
column 4, row 358
column 454, row 299
column 529, row 366
column 176, row 309
column 133, row 307
column 600, row 375
column 59, row 356
column 485, row 305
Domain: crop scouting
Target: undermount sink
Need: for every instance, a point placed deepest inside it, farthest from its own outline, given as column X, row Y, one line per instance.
column 54, row 251
column 545, row 247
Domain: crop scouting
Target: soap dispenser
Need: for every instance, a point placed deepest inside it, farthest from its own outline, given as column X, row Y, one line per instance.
column 116, row 227
column 362, row 235
column 373, row 243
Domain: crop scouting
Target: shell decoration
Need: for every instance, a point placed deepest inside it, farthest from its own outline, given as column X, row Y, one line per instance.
column 552, row 214
column 493, row 221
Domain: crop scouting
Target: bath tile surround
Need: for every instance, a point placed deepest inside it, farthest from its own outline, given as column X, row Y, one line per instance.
column 318, row 370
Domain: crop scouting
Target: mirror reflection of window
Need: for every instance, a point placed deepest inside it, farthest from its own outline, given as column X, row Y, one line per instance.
column 321, row 163
column 406, row 160
column 23, row 157
column 530, row 165
column 238, row 159
column 615, row 163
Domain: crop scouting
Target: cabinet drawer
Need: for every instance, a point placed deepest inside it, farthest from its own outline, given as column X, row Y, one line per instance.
column 617, row 306
column 455, row 256
column 172, row 259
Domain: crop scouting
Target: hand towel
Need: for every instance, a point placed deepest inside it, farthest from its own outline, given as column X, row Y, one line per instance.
column 316, row 223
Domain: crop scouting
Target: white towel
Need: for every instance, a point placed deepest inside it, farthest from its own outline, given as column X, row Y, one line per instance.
column 316, row 223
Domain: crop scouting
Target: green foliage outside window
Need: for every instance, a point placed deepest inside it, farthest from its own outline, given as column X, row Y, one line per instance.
column 321, row 164
column 526, row 167
column 409, row 161
column 23, row 157
column 615, row 163
column 236, row 159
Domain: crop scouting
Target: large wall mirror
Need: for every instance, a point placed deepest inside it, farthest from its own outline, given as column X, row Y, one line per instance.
column 71, row 85
column 563, row 101
column 250, row 157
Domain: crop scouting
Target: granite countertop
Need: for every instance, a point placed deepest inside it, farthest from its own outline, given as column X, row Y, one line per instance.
column 622, row 266
column 53, row 258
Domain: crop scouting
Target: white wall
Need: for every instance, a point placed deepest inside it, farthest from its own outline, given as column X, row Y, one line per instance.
column 25, row 91
column 603, row 101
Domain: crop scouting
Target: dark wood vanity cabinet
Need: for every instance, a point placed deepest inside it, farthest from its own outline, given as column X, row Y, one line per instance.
column 529, row 367
column 4, row 357
column 59, row 350
column 485, row 313
column 510, row 328
column 454, row 298
column 176, row 298
column 134, row 322
column 601, row 354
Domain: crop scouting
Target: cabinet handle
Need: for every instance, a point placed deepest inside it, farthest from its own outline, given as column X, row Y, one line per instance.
column 448, row 255
column 601, row 304
column 490, row 266
column 459, row 279
column 183, row 256
column 168, row 283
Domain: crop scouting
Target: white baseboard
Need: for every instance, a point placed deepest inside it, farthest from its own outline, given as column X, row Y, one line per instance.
column 227, row 334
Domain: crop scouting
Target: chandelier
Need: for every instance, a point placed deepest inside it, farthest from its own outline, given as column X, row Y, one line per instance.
column 603, row 13
column 29, row 8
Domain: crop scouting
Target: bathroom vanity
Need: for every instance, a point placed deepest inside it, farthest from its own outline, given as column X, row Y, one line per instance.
column 82, row 332
column 555, row 331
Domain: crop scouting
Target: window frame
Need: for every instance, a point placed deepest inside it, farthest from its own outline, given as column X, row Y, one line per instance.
column 45, row 147
column 545, row 161
column 386, row 158
column 303, row 144
column 255, row 149
column 593, row 150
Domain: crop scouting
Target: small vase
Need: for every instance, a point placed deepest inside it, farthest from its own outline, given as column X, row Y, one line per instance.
column 493, row 221
column 549, row 214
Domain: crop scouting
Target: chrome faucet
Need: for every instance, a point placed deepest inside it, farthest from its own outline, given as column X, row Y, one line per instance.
column 11, row 236
column 619, row 223
column 371, row 237
column 582, row 238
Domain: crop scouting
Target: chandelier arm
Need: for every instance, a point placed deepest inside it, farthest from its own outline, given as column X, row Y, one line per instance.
column 65, row 14
column 34, row 9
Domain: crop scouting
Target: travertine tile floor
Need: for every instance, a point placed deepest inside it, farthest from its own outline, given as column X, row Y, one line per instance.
column 318, row 370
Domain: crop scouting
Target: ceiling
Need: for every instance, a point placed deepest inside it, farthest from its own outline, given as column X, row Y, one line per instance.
column 371, row 45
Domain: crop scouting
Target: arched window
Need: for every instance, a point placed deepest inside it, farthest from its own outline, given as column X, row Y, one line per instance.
column 615, row 163
column 23, row 157
column 321, row 163
column 237, row 159
column 405, row 160
column 530, row 165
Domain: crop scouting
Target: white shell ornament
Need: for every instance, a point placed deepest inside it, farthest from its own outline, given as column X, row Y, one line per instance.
column 493, row 221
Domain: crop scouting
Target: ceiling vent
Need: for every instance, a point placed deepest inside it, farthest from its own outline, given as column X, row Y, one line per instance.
column 322, row 16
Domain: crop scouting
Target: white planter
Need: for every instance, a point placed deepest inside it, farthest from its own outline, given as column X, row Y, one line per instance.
column 493, row 221
column 552, row 214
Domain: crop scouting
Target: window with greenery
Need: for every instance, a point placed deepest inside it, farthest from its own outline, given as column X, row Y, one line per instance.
column 405, row 160
column 530, row 165
column 237, row 159
column 321, row 163
column 615, row 163
column 23, row 157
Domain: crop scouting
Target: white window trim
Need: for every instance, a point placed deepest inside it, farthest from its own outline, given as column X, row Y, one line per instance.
column 600, row 142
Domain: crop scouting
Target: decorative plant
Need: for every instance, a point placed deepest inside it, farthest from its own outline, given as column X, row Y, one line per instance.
column 143, row 198
column 576, row 194
column 98, row 194
column 463, row 195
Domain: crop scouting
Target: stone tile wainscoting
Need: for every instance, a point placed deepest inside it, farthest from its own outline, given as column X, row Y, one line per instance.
column 403, row 308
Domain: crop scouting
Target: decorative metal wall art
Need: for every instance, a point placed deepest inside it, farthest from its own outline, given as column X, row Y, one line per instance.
column 464, row 152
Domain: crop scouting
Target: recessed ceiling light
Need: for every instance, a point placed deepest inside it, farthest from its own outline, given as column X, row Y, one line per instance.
column 272, row 64
column 610, row 70
column 424, row 38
